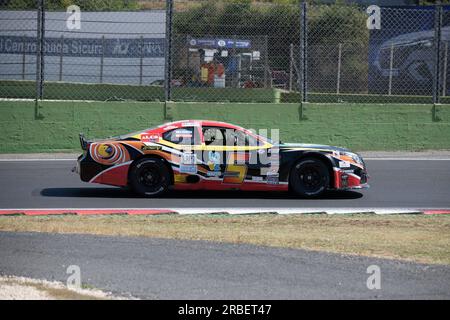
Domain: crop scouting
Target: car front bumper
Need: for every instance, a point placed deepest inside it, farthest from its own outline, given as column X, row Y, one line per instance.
column 350, row 179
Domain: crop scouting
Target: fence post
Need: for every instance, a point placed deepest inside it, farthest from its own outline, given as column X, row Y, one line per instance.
column 391, row 66
column 437, row 52
column 237, row 72
column 168, row 51
column 266, row 63
column 141, row 62
column 41, row 87
column 61, row 58
column 444, row 74
column 102, row 58
column 338, row 83
column 38, row 53
column 188, row 58
column 39, row 56
column 291, row 66
column 303, row 57
column 23, row 57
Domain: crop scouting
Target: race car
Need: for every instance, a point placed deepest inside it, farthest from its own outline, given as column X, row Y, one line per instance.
column 212, row 155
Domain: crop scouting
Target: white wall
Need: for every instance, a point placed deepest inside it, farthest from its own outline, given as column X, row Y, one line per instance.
column 122, row 32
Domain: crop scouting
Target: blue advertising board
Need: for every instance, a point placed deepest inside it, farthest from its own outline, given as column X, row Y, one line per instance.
column 219, row 43
column 86, row 47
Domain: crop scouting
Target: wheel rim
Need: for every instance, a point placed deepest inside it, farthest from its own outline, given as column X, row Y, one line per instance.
column 311, row 178
column 150, row 177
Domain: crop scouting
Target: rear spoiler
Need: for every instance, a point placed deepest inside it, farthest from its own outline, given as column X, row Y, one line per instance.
column 83, row 142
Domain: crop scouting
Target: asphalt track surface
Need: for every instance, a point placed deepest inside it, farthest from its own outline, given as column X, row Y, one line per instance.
column 394, row 184
column 174, row 269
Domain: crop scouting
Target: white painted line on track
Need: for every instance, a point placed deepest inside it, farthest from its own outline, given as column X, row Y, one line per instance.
column 299, row 210
column 305, row 209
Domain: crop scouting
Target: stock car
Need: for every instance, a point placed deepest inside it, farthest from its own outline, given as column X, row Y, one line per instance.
column 212, row 155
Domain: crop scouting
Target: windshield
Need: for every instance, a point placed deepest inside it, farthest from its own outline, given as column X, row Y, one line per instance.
column 264, row 138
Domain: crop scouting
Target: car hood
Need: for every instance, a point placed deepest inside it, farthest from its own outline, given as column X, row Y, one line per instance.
column 312, row 146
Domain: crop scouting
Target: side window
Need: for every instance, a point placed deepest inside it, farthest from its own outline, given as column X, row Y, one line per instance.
column 240, row 138
column 182, row 136
column 252, row 141
column 217, row 136
column 213, row 136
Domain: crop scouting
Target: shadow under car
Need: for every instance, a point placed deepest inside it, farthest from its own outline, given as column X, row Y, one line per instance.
column 112, row 192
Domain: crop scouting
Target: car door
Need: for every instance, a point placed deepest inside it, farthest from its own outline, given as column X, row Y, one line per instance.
column 184, row 142
column 214, row 153
column 257, row 154
column 232, row 154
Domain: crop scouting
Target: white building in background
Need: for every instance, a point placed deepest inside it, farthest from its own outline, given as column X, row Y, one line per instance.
column 107, row 47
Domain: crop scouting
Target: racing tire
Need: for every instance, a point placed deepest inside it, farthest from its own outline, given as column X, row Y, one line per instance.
column 149, row 177
column 309, row 177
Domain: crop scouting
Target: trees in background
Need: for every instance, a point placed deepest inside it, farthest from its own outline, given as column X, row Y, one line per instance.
column 328, row 26
column 88, row 5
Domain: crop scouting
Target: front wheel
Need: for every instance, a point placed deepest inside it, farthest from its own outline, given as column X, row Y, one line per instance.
column 149, row 177
column 309, row 177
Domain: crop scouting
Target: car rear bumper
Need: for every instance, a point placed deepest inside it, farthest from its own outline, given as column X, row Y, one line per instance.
column 86, row 169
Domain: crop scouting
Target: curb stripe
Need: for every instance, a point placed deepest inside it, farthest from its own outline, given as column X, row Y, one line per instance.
column 436, row 212
column 217, row 211
column 82, row 212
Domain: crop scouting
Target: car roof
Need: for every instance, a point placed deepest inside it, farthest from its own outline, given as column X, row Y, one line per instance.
column 161, row 129
column 207, row 123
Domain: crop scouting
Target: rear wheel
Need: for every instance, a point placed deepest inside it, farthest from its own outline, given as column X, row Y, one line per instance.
column 309, row 177
column 149, row 177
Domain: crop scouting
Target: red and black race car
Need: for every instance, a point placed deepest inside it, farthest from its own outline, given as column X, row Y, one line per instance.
column 199, row 154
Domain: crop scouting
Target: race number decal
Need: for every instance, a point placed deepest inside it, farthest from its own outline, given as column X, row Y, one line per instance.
column 236, row 169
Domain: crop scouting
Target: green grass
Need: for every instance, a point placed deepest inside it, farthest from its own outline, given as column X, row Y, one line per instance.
column 314, row 97
column 419, row 238
column 54, row 90
column 111, row 92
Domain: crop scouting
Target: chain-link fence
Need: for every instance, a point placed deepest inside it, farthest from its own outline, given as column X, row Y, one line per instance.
column 88, row 55
column 228, row 51
column 18, row 63
column 231, row 51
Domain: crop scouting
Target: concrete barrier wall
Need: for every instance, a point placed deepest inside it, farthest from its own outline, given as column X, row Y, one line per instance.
column 357, row 126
